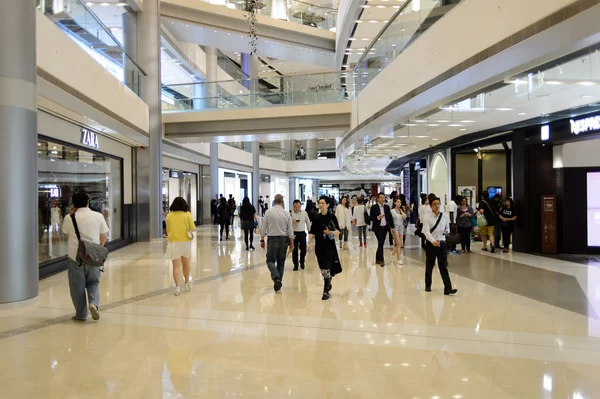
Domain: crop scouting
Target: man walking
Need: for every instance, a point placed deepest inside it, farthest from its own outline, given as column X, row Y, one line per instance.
column 277, row 226
column 232, row 206
column 92, row 228
column 381, row 216
column 301, row 224
column 435, row 226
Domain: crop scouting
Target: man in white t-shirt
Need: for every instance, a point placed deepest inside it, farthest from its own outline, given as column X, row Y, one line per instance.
column 92, row 228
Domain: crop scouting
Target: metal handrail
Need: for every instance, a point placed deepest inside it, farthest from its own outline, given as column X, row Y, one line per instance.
column 376, row 38
column 111, row 36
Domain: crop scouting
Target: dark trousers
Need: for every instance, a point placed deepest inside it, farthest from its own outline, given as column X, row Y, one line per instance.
column 299, row 245
column 276, row 252
column 507, row 230
column 465, row 237
column 391, row 236
column 224, row 227
column 453, row 229
column 497, row 232
column 441, row 254
column 249, row 237
column 380, row 233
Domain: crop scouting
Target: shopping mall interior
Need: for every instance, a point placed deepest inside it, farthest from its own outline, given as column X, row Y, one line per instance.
column 142, row 103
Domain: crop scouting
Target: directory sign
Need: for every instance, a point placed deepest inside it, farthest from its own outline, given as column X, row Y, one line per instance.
column 593, row 209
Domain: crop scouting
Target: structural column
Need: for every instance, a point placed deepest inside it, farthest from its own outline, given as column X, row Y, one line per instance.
column 214, row 170
column 312, row 148
column 19, row 268
column 131, row 78
column 206, row 94
column 149, row 165
column 250, row 64
column 255, row 172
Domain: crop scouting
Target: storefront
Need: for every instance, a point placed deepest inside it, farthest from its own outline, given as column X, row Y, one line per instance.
column 73, row 158
column 180, row 179
column 557, row 173
column 329, row 190
column 305, row 190
column 236, row 183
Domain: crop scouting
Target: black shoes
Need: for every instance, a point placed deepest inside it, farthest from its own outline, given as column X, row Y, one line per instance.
column 296, row 268
column 277, row 284
column 427, row 289
column 493, row 250
column 302, row 266
column 451, row 292
column 252, row 247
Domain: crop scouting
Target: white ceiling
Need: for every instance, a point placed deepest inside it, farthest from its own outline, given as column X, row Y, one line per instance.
column 563, row 87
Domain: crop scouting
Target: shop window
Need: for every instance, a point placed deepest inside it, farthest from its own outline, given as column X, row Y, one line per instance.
column 64, row 170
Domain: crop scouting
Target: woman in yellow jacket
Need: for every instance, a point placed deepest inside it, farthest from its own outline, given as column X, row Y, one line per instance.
column 179, row 250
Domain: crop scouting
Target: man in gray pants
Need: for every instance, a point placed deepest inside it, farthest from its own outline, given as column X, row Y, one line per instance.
column 277, row 226
column 92, row 228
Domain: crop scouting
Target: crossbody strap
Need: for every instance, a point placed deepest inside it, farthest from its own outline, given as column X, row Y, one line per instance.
column 488, row 206
column 439, row 219
column 75, row 226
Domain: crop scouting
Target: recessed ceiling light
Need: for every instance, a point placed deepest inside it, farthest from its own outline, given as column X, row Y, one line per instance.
column 504, row 109
column 381, row 6
column 587, row 83
column 435, row 139
column 352, row 38
column 433, row 124
column 462, row 130
column 396, row 7
column 467, row 121
column 373, row 21
column 455, row 125
column 359, row 21
column 522, row 113
column 421, row 137
column 366, row 6
column 553, row 83
column 587, row 96
column 420, row 120
column 365, row 38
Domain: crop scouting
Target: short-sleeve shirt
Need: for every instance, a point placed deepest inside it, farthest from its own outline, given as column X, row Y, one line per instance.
column 90, row 224
column 489, row 211
column 508, row 213
column 178, row 224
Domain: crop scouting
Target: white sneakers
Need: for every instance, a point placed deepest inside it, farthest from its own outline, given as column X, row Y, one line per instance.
column 95, row 312
column 187, row 287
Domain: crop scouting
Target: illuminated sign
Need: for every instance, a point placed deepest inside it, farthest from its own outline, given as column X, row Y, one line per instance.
column 545, row 132
column 585, row 125
column 89, row 138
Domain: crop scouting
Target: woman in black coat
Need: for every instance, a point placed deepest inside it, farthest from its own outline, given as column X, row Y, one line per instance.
column 224, row 213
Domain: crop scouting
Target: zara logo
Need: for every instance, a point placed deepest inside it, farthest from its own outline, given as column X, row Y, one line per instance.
column 89, row 138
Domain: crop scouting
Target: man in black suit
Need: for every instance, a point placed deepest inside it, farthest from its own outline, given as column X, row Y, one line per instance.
column 381, row 216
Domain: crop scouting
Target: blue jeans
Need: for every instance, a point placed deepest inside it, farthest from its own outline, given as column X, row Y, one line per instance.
column 276, row 253
column 80, row 279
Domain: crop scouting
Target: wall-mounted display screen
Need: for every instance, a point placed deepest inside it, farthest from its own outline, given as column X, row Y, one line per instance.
column 593, row 209
column 494, row 190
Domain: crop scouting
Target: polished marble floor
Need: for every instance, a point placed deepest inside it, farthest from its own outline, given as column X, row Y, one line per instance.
column 521, row 326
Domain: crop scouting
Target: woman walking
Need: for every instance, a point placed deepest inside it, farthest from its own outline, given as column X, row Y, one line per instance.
column 344, row 217
column 398, row 231
column 408, row 209
column 324, row 231
column 247, row 218
column 360, row 221
column 179, row 250
column 508, row 216
column 224, row 217
column 465, row 225
column 312, row 211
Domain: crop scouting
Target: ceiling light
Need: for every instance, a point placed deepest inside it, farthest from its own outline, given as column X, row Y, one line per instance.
column 359, row 21
column 433, row 124
column 420, row 120
column 587, row 83
column 455, row 125
column 504, row 109
column 396, row 7
column 554, row 83
column 365, row 38
column 373, row 21
column 467, row 121
column 366, row 6
column 476, row 149
column 381, row 6
column 421, row 137
column 462, row 130
column 587, row 96
column 443, row 121
column 522, row 113
column 352, row 38
column 435, row 139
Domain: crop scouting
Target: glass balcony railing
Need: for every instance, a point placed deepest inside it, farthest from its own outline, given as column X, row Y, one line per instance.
column 412, row 19
column 296, row 11
column 323, row 88
column 274, row 150
column 83, row 26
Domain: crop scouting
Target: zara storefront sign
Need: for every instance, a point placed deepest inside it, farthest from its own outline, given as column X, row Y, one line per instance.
column 89, row 139
column 585, row 125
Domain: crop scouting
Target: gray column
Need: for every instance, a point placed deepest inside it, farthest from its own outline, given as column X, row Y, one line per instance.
column 207, row 93
column 150, row 91
column 255, row 172
column 19, row 268
column 250, row 65
column 214, row 170
column 315, row 190
column 131, row 77
column 312, row 148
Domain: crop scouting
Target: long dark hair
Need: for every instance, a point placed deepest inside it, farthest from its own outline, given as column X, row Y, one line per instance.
column 246, row 202
column 310, row 206
column 179, row 205
column 347, row 202
column 222, row 201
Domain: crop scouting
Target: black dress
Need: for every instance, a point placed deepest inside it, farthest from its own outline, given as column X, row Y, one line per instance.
column 326, row 248
column 247, row 216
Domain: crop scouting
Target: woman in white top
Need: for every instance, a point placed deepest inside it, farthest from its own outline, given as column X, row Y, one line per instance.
column 358, row 219
column 344, row 217
column 399, row 216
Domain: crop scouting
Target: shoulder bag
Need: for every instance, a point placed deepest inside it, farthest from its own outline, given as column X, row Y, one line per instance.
column 481, row 219
column 88, row 253
column 190, row 232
